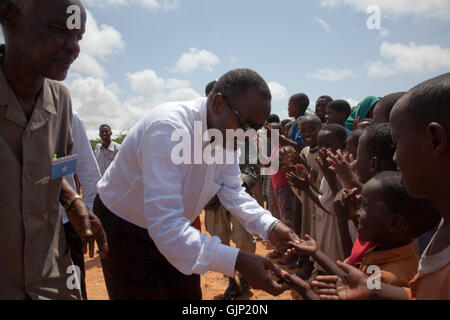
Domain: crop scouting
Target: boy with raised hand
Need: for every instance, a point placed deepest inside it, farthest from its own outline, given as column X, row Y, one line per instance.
column 420, row 127
column 390, row 218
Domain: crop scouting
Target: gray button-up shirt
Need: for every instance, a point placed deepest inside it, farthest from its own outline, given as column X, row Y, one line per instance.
column 106, row 156
column 34, row 257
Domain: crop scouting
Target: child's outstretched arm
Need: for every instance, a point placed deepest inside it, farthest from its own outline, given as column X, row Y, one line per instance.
column 345, row 206
column 301, row 181
column 329, row 175
column 342, row 165
column 309, row 247
column 353, row 286
column 300, row 286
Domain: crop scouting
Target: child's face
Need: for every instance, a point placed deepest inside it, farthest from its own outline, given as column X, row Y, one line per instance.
column 309, row 131
column 326, row 139
column 285, row 129
column 413, row 157
column 321, row 109
column 364, row 161
column 374, row 217
column 333, row 116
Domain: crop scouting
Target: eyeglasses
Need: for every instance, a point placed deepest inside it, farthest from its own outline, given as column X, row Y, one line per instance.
column 244, row 122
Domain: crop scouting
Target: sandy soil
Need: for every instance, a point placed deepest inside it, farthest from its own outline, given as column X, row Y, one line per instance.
column 213, row 283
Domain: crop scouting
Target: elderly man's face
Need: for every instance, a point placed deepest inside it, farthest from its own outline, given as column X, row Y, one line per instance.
column 42, row 40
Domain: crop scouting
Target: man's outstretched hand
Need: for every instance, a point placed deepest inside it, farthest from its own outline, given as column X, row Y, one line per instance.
column 281, row 236
column 257, row 271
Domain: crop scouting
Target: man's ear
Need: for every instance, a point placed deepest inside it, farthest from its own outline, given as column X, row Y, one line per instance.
column 8, row 12
column 218, row 104
column 438, row 138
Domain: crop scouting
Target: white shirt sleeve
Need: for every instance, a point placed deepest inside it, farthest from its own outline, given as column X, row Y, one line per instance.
column 241, row 205
column 87, row 169
column 185, row 247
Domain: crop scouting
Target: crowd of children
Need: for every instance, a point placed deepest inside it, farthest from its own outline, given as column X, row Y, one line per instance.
column 371, row 184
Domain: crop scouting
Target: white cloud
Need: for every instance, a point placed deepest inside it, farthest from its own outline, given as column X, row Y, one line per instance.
column 411, row 59
column 277, row 90
column 196, row 59
column 98, row 102
column 330, row 75
column 352, row 102
column 111, row 43
column 323, row 24
column 149, row 4
column 421, row 8
column 145, row 82
column 384, row 33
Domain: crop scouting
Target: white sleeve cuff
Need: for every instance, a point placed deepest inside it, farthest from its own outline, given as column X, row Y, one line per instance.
column 224, row 260
column 269, row 222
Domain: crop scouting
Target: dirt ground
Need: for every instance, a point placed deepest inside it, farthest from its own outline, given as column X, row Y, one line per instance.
column 213, row 283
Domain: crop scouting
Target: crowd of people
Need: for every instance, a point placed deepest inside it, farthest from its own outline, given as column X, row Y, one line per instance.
column 359, row 194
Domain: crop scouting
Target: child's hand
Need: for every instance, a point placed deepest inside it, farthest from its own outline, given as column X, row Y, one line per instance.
column 284, row 159
column 300, row 178
column 322, row 160
column 353, row 199
column 307, row 246
column 347, row 203
column 342, row 164
column 352, row 287
column 301, row 286
column 295, row 159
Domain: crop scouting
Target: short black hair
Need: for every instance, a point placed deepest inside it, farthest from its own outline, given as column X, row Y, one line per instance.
column 430, row 101
column 337, row 130
column 286, row 121
column 354, row 136
column 273, row 118
column 209, row 87
column 300, row 99
column 237, row 82
column 327, row 98
column 420, row 214
column 389, row 101
column 104, row 125
column 340, row 106
column 313, row 118
column 380, row 143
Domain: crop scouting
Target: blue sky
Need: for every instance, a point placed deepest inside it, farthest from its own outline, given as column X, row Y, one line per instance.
column 139, row 53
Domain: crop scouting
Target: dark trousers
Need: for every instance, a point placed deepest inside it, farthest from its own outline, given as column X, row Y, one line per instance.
column 77, row 255
column 134, row 269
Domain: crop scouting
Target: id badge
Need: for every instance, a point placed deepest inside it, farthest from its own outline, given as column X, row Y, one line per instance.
column 64, row 166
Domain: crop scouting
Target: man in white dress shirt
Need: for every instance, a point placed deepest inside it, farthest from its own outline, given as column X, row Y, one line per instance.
column 147, row 200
